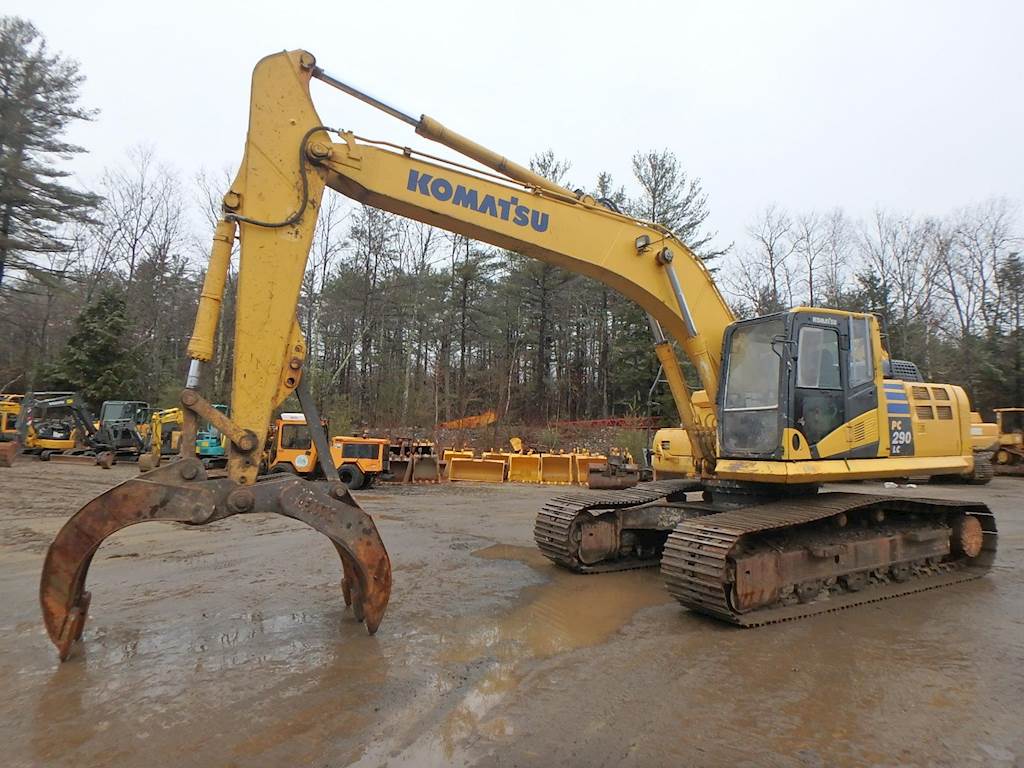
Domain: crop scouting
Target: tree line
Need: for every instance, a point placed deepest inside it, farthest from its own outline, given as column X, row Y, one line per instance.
column 948, row 289
column 410, row 325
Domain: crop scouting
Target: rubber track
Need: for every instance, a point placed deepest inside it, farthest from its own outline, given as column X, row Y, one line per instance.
column 695, row 563
column 554, row 521
column 983, row 470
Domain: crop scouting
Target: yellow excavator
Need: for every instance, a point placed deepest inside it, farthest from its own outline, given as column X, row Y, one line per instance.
column 799, row 398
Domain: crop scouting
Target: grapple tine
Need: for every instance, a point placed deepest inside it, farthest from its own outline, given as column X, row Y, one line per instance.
column 62, row 594
column 181, row 493
column 366, row 568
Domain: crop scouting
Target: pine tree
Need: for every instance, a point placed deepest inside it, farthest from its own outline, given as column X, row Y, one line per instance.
column 98, row 361
column 674, row 199
column 38, row 101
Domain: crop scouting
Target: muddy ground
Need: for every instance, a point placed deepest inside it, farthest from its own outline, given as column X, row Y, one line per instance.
column 230, row 645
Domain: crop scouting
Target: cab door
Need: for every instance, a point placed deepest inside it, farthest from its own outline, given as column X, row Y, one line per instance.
column 834, row 384
column 819, row 397
column 861, row 391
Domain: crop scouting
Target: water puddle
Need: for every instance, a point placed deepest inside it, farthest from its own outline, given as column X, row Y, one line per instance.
column 568, row 613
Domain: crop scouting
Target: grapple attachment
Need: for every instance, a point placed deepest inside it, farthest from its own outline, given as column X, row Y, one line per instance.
column 180, row 492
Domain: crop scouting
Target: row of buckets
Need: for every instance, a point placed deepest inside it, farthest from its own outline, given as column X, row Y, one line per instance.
column 498, row 467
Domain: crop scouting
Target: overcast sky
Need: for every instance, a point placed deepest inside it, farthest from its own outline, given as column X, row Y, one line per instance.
column 911, row 105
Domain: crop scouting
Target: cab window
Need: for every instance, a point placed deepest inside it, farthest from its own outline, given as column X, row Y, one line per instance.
column 360, row 450
column 860, row 352
column 296, row 436
column 750, row 418
column 818, row 358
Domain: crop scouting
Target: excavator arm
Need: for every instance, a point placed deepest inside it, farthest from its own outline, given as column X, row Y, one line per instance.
column 289, row 160
column 272, row 208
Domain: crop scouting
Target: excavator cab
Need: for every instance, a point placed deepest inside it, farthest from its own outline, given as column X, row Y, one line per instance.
column 793, row 380
column 124, row 424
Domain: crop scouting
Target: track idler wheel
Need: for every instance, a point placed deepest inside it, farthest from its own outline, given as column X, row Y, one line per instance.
column 180, row 492
column 968, row 536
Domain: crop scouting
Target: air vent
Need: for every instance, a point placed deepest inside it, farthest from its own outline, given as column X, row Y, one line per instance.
column 901, row 369
column 858, row 432
column 666, row 446
column 920, row 393
column 924, row 412
column 945, row 412
column 939, row 393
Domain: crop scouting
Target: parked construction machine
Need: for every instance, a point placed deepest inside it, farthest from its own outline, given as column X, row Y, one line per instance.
column 10, row 407
column 800, row 397
column 162, row 438
column 165, row 433
column 124, row 426
column 1009, row 450
column 58, row 426
column 360, row 460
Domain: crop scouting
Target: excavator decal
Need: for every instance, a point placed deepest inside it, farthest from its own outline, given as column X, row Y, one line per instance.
column 441, row 189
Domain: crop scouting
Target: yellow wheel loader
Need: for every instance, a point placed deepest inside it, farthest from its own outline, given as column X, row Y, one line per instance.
column 800, row 398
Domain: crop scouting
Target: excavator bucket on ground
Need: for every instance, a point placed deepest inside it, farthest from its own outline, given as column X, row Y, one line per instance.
column 476, row 470
column 181, row 492
column 584, row 461
column 524, row 468
column 103, row 459
column 8, row 453
column 556, row 468
column 451, row 453
column 495, row 456
column 425, row 469
column 400, row 468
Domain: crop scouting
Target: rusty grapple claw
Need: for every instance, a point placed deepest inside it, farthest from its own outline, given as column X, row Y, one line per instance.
column 180, row 492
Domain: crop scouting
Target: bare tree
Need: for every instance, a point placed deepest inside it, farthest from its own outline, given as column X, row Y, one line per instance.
column 836, row 268
column 810, row 248
column 764, row 279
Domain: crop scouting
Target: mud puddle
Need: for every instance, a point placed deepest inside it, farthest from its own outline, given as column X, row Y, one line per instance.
column 570, row 612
